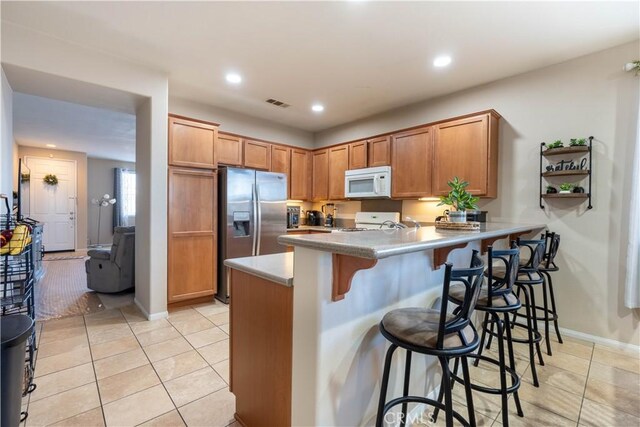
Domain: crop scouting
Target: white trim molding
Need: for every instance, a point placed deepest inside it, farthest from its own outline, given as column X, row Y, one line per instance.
column 607, row 342
column 154, row 316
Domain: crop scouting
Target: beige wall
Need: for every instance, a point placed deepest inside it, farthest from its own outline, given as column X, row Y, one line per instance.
column 590, row 95
column 100, row 178
column 242, row 124
column 6, row 141
column 81, row 202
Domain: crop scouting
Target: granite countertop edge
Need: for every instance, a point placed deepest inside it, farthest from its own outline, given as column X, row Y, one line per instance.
column 277, row 268
column 380, row 251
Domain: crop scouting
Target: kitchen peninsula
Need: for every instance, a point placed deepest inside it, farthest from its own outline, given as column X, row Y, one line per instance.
column 305, row 346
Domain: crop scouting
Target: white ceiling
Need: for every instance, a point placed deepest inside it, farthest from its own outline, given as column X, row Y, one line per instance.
column 358, row 58
column 98, row 132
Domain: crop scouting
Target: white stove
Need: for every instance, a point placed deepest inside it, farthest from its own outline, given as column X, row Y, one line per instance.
column 372, row 221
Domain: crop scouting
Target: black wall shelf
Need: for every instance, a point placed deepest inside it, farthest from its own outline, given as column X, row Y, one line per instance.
column 574, row 173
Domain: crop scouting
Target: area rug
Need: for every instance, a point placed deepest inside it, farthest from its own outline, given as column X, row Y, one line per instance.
column 62, row 291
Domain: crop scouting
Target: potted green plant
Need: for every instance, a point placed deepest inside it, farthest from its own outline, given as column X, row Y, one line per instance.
column 556, row 144
column 575, row 142
column 565, row 188
column 551, row 189
column 459, row 199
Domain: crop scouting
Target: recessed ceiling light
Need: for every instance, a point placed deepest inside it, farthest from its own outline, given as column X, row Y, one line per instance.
column 234, row 78
column 318, row 108
column 442, row 61
column 51, row 145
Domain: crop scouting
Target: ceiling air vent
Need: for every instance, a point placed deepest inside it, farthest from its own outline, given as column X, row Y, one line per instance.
column 277, row 103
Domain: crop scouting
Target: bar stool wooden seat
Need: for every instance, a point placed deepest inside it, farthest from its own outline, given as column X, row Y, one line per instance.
column 436, row 333
column 498, row 302
column 528, row 277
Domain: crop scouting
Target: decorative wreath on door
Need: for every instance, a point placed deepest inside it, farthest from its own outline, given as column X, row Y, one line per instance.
column 50, row 179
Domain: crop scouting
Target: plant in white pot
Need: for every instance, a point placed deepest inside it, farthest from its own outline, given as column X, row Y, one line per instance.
column 565, row 188
column 459, row 199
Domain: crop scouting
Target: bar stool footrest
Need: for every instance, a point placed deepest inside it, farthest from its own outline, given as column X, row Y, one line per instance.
column 552, row 315
column 515, row 379
column 418, row 399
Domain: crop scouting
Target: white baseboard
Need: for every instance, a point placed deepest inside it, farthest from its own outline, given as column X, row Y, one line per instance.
column 607, row 342
column 154, row 316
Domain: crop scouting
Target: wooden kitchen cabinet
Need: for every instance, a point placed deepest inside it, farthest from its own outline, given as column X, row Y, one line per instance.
column 229, row 149
column 320, row 187
column 281, row 162
column 257, row 155
column 467, row 148
column 379, row 151
column 192, row 143
column 192, row 234
column 358, row 155
column 338, row 165
column 411, row 163
column 301, row 174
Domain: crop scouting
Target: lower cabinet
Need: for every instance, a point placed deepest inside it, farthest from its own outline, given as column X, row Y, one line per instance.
column 192, row 234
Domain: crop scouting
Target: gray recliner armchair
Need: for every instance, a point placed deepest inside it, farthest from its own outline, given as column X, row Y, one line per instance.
column 113, row 270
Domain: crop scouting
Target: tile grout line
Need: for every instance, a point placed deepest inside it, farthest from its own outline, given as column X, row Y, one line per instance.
column 95, row 375
column 175, row 407
column 586, row 383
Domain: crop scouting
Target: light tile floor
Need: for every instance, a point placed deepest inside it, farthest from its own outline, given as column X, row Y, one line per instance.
column 114, row 368
column 581, row 384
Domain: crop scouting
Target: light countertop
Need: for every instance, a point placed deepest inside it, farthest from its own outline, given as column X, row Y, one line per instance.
column 377, row 244
column 319, row 228
column 275, row 268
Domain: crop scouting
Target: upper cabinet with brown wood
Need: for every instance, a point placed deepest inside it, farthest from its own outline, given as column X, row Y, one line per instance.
column 379, row 151
column 257, row 155
column 320, row 189
column 358, row 155
column 192, row 234
column 281, row 162
column 229, row 149
column 301, row 174
column 192, row 143
column 338, row 165
column 411, row 163
column 467, row 148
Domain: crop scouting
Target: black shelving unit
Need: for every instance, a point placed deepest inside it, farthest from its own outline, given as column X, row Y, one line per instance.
column 572, row 173
column 17, row 291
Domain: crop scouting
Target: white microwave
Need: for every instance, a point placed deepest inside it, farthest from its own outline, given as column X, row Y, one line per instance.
column 368, row 183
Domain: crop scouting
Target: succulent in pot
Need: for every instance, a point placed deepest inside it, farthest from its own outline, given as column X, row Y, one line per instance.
column 578, row 142
column 565, row 188
column 555, row 144
column 459, row 199
column 551, row 189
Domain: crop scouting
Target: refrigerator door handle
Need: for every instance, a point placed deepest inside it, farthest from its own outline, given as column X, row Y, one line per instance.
column 258, row 219
column 254, row 202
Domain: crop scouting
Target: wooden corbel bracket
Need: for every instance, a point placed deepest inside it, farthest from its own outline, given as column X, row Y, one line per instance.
column 344, row 268
column 484, row 245
column 514, row 236
column 440, row 254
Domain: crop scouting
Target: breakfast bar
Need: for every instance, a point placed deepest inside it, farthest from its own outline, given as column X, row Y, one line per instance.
column 312, row 317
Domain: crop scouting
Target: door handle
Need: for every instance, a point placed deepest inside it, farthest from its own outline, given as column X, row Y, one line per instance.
column 258, row 219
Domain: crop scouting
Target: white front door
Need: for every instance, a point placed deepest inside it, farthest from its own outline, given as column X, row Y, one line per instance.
column 54, row 205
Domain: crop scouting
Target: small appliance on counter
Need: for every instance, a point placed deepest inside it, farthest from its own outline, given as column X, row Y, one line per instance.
column 329, row 211
column 293, row 216
column 314, row 218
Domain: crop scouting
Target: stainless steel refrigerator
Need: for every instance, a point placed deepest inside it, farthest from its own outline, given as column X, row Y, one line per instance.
column 252, row 214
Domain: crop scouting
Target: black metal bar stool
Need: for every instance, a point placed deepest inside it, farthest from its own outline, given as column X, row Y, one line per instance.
column 436, row 333
column 548, row 265
column 498, row 302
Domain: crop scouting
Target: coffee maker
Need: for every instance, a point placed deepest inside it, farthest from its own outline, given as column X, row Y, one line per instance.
column 314, row 218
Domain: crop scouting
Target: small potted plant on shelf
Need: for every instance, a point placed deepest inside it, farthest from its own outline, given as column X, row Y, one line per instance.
column 575, row 142
column 565, row 188
column 459, row 199
column 551, row 189
column 556, row 144
column 578, row 189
